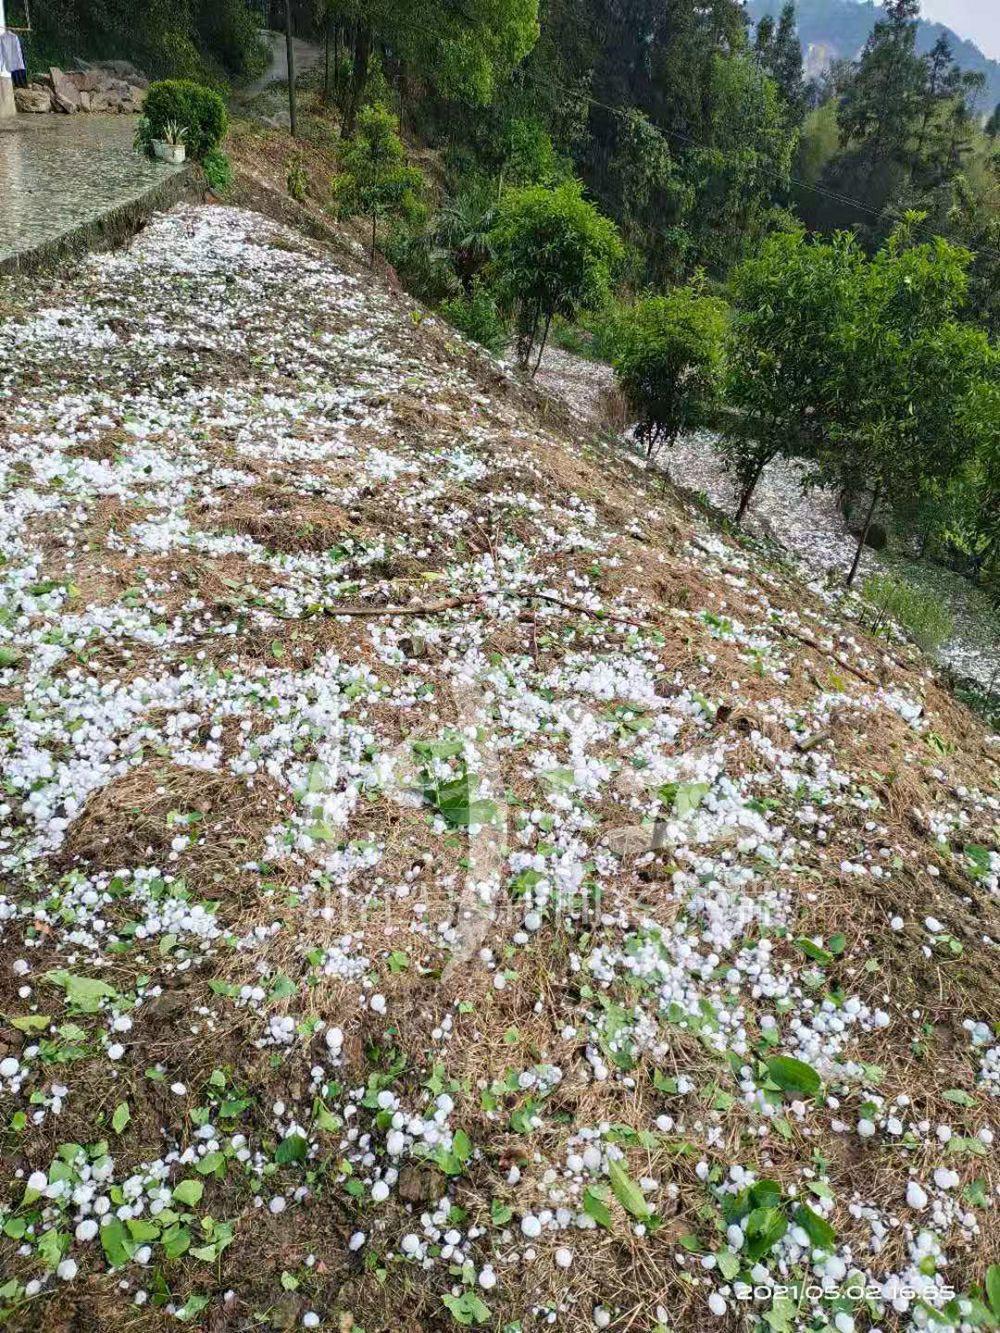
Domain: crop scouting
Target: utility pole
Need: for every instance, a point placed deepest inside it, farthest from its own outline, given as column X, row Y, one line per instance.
column 290, row 57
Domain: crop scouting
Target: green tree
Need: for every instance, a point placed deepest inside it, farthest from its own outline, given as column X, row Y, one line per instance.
column 669, row 361
column 906, row 373
column 375, row 180
column 554, row 254
column 790, row 305
column 462, row 50
column 654, row 198
column 742, row 168
column 779, row 54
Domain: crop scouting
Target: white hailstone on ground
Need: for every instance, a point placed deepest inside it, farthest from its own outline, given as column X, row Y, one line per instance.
column 38, row 1180
column 310, row 1319
column 563, row 1257
column 602, row 1317
column 897, row 923
column 178, row 1089
column 866, row 1128
column 334, row 1038
column 66, row 1270
column 277, row 1204
column 916, row 1196
column 843, row 1322
column 377, row 1003
column 9, row 1067
column 86, row 1230
column 531, row 1226
column 356, row 1241
column 487, row 1278
column 717, row 1304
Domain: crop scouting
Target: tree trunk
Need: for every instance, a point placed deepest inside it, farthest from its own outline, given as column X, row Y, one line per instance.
column 336, row 61
column 359, row 79
column 326, row 63
column 290, row 54
column 541, row 347
column 748, row 491
column 863, row 534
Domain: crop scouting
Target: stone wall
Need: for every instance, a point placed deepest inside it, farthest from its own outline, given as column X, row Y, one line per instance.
column 114, row 87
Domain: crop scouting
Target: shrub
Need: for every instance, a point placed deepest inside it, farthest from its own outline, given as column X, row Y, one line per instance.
column 199, row 110
column 669, row 360
column 296, row 178
column 218, row 170
column 476, row 315
column 923, row 615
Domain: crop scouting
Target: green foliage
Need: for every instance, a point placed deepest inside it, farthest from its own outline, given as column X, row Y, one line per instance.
column 297, row 178
column 464, row 226
column 461, row 51
column 218, row 170
column 669, row 362
column 923, row 615
column 791, row 303
column 476, row 315
column 554, row 255
column 209, row 40
column 375, row 180
column 200, row 111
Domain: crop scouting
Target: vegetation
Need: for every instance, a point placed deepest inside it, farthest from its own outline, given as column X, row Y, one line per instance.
column 214, row 40
column 669, row 362
column 200, row 111
column 375, row 180
column 218, row 170
column 554, row 254
column 922, row 615
column 476, row 315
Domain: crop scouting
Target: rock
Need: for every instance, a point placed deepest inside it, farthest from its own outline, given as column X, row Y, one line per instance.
column 84, row 100
column 33, row 100
column 137, row 95
column 65, row 93
column 629, row 840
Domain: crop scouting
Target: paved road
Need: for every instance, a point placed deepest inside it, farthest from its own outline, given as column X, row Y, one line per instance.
column 307, row 56
column 60, row 172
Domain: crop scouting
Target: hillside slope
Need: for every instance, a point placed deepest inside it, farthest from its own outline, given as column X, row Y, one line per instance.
column 443, row 882
column 838, row 29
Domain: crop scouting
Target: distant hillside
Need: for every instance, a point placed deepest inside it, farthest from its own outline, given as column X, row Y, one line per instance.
column 833, row 29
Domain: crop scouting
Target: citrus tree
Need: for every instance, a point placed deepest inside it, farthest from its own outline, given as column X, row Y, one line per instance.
column 375, row 180
column 668, row 362
column 554, row 253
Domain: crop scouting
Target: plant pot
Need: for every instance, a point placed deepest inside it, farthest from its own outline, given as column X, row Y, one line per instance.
column 173, row 153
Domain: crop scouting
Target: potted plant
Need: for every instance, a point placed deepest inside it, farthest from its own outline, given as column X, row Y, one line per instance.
column 170, row 146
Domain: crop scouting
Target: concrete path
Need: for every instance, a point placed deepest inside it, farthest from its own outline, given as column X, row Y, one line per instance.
column 59, row 173
column 307, row 56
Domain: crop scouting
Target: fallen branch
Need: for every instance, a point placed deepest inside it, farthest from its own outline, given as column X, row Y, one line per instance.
column 826, row 652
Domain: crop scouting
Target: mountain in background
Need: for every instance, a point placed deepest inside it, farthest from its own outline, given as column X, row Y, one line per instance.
column 838, row 29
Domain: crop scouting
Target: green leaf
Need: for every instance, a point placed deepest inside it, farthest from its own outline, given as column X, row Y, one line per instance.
column 84, row 993
column 793, row 1075
column 31, row 1022
column 595, row 1207
column 292, row 1148
column 992, row 1286
column 118, row 1247
column 819, row 1231
column 189, row 1192
column 121, row 1117
column 628, row 1193
column 192, row 1306
column 466, row 1309
column 765, row 1227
